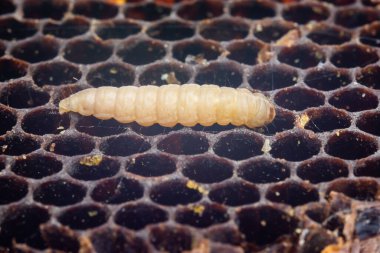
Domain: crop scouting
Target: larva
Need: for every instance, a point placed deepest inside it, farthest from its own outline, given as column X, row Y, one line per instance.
column 167, row 105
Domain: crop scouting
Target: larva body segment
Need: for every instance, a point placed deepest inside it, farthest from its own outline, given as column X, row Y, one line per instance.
column 167, row 105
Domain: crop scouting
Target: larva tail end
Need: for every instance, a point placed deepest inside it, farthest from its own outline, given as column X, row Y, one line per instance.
column 64, row 106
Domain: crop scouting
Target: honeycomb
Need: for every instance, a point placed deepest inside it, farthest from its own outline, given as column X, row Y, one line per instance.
column 307, row 183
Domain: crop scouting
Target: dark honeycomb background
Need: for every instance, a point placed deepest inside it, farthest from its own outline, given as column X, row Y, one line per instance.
column 70, row 183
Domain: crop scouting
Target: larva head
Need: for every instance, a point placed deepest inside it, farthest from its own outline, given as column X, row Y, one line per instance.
column 64, row 106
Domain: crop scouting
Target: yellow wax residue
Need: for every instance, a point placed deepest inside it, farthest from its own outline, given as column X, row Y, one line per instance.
column 266, row 147
column 91, row 160
column 193, row 185
column 198, row 209
column 117, row 2
column 302, row 120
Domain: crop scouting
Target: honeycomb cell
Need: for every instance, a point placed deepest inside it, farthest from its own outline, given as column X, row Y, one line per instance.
column 67, row 29
column 224, row 29
column 174, row 192
column 60, row 238
column 327, row 119
column 227, row 74
column 262, row 171
column 369, row 76
column 302, row 55
column 173, row 239
column 273, row 30
column 359, row 189
column 18, row 144
column 184, row 144
column 266, row 77
column 147, row 12
column 370, row 34
column 64, row 92
column 253, row 9
column 360, row 145
column 7, row 6
column 36, row 50
column 70, row 145
column 245, row 51
column 283, row 121
column 95, row 127
column 138, row 216
column 317, row 212
column 45, row 121
column 354, row 100
column 295, row 146
column 36, row 166
column 82, row 217
column 160, row 73
column 369, row 122
column 263, row 224
column 111, row 74
column 367, row 223
column 196, row 51
column 322, row 170
column 37, row 9
column 117, row 190
column 87, row 51
column 327, row 78
column 8, row 119
column 12, row 189
column 299, row 99
column 140, row 52
column 151, row 165
column 171, row 30
column 355, row 17
column 207, row 169
column 199, row 10
column 239, row 146
column 213, row 129
column 59, row 192
column 95, row 9
column 93, row 168
column 56, row 73
column 343, row 56
column 2, row 163
column 323, row 34
column 235, row 193
column 124, row 145
column 304, row 13
column 367, row 167
column 14, row 29
column 118, row 29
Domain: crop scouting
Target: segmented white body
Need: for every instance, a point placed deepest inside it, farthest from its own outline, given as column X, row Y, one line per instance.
column 167, row 105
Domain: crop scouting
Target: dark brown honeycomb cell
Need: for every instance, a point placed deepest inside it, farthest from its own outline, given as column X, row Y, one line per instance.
column 367, row 223
column 224, row 29
column 235, row 193
column 70, row 145
column 117, row 190
column 56, row 73
column 2, row 48
column 151, row 165
column 327, row 119
column 60, row 238
column 369, row 122
column 283, row 121
column 304, row 13
column 118, row 29
column 36, row 166
column 7, row 6
column 261, row 171
column 214, row 128
column 160, row 74
column 270, row 77
column 227, row 74
column 39, row 9
column 253, row 9
column 354, row 100
column 95, row 9
column 302, row 55
column 8, row 119
column 124, row 145
column 368, row 168
column 352, row 55
column 317, row 240
column 139, row 52
column 45, row 121
column 12, row 189
column 138, row 216
column 225, row 234
column 207, row 169
column 14, row 29
column 101, row 128
column 327, row 78
column 111, row 74
column 263, row 224
column 245, row 51
column 328, row 35
column 322, row 170
column 94, row 168
column 273, row 30
column 369, row 76
column 36, row 50
column 82, row 217
column 174, row 192
column 299, row 99
column 171, row 30
column 196, row 51
column 68, row 28
column 21, row 224
column 340, row 2
column 173, row 239
column 295, row 146
column 370, row 34
column 184, row 144
column 147, row 12
column 18, row 144
column 355, row 17
column 87, row 51
column 360, row 189
column 199, row 10
column 360, row 145
column 239, row 146
column 64, row 92
column 317, row 212
column 59, row 193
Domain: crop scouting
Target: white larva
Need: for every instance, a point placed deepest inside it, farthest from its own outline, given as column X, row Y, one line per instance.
column 167, row 105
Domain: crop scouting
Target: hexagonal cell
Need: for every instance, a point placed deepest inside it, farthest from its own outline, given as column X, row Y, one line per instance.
column 8, row 119
column 82, row 217
column 151, row 165
column 155, row 74
column 36, row 50
column 96, row 127
column 199, row 10
column 369, row 76
column 124, row 145
column 171, row 30
column 173, row 239
column 111, row 74
column 12, row 189
column 327, row 119
column 245, row 51
column 343, row 56
column 196, row 51
column 184, row 144
column 369, row 122
column 322, row 170
column 235, row 193
column 303, row 13
column 118, row 29
column 355, row 17
column 224, row 29
column 45, row 121
column 87, row 51
column 37, row 9
column 323, row 34
column 354, row 100
column 67, row 29
column 147, row 12
column 14, row 29
column 36, row 166
column 227, row 74
column 299, row 98
column 283, row 121
column 18, row 144
column 327, row 78
column 370, row 34
column 60, row 238
column 70, row 145
column 56, row 73
column 139, row 52
column 361, row 145
column 367, row 167
column 359, row 189
column 302, row 55
column 253, row 9
column 64, row 92
column 95, row 9
column 273, row 30
column 7, row 6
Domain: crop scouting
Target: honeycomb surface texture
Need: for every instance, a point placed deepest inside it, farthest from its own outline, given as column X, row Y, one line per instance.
column 306, row 183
